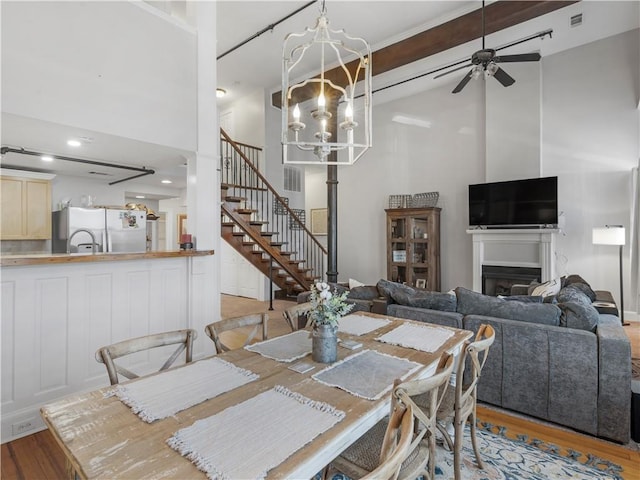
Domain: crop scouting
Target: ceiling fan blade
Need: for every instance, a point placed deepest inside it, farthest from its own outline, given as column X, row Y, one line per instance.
column 463, row 82
column 522, row 57
column 453, row 70
column 503, row 77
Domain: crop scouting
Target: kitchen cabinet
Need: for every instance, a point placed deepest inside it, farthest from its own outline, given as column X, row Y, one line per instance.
column 25, row 204
column 413, row 247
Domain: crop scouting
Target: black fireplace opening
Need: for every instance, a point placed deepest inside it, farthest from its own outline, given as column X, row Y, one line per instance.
column 497, row 280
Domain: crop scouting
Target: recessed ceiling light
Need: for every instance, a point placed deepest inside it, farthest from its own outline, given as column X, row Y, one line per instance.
column 140, row 196
column 46, row 158
column 73, row 143
column 220, row 92
column 167, row 181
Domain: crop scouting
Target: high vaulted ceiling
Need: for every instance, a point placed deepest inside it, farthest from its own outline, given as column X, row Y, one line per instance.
column 256, row 66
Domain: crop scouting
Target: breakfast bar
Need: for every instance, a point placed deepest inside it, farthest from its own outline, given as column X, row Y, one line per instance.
column 58, row 309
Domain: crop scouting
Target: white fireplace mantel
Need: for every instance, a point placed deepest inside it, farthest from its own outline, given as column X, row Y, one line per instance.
column 533, row 248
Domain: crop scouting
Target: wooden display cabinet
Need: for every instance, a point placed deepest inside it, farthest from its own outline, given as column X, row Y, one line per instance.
column 413, row 247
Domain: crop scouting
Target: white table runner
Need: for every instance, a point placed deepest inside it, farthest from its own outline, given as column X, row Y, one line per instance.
column 367, row 374
column 419, row 337
column 286, row 348
column 247, row 440
column 170, row 392
column 361, row 324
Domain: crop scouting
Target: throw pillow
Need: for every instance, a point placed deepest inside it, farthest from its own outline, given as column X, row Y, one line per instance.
column 354, row 283
column 573, row 293
column 364, row 292
column 387, row 288
column 474, row 303
column 552, row 287
column 578, row 316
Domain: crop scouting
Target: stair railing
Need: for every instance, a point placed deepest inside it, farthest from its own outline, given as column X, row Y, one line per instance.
column 239, row 171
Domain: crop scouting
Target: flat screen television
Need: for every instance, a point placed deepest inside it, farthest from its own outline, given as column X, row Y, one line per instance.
column 532, row 202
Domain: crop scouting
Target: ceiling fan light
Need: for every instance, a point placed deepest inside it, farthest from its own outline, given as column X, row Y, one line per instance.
column 492, row 68
column 476, row 72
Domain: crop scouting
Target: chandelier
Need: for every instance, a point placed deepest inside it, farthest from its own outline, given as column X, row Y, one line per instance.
column 330, row 112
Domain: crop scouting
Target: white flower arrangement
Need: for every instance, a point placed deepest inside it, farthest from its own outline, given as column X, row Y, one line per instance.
column 327, row 307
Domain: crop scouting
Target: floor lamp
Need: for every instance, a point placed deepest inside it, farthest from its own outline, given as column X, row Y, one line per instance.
column 612, row 235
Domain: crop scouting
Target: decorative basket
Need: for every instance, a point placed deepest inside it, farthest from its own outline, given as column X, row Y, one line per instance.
column 421, row 200
column 400, row 201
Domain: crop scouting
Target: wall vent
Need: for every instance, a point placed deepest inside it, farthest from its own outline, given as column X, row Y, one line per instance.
column 576, row 20
column 292, row 179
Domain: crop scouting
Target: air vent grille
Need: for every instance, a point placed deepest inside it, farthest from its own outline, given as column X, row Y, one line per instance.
column 292, row 179
column 576, row 20
column 101, row 173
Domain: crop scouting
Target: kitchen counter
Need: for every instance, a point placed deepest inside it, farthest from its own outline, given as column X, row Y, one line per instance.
column 63, row 258
column 58, row 309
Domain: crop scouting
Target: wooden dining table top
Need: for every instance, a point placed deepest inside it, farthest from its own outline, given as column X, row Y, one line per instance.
column 102, row 438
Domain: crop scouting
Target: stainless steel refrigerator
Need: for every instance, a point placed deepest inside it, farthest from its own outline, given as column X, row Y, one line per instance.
column 113, row 230
column 126, row 230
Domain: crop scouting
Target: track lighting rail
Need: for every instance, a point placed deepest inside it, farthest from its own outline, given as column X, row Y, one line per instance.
column 144, row 171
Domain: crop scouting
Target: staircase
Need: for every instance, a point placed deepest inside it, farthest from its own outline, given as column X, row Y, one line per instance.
column 258, row 223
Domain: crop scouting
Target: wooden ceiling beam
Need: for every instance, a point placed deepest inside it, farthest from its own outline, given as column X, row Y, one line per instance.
column 498, row 16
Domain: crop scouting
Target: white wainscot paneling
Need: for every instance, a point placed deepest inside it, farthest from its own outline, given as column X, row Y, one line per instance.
column 55, row 317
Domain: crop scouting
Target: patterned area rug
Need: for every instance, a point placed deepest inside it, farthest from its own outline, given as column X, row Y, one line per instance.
column 521, row 459
column 635, row 368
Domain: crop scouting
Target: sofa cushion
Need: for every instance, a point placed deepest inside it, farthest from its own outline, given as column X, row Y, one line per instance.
column 365, row 292
column 474, row 303
column 523, row 298
column 406, row 295
column 444, row 302
column 578, row 282
column 388, row 288
column 579, row 316
column 447, row 319
column 573, row 293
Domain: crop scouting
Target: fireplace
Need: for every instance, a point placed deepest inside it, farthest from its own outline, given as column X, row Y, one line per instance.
column 524, row 249
column 498, row 280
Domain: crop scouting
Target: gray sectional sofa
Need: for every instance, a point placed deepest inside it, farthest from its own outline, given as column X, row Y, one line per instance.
column 560, row 361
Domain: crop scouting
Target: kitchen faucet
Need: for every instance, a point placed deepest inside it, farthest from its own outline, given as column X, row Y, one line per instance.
column 93, row 240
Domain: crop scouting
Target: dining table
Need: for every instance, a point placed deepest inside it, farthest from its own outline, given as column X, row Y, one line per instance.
column 263, row 411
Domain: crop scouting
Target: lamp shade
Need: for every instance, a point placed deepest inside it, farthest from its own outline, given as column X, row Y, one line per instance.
column 609, row 235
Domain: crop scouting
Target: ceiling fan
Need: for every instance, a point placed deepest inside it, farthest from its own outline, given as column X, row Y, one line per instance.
column 486, row 60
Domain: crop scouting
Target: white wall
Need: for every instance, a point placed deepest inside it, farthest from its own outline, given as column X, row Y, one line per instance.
column 243, row 120
column 588, row 124
column 74, row 188
column 590, row 141
column 513, row 124
column 409, row 159
column 111, row 67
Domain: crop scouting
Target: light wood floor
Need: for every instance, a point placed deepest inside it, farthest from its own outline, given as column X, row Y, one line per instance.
column 38, row 457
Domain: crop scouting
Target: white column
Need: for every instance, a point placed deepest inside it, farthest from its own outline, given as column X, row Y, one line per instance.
column 478, row 258
column 203, row 186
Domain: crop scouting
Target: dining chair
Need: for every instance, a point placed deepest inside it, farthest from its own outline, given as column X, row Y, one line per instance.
column 360, row 458
column 257, row 320
column 108, row 354
column 459, row 404
column 396, row 443
column 291, row 314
